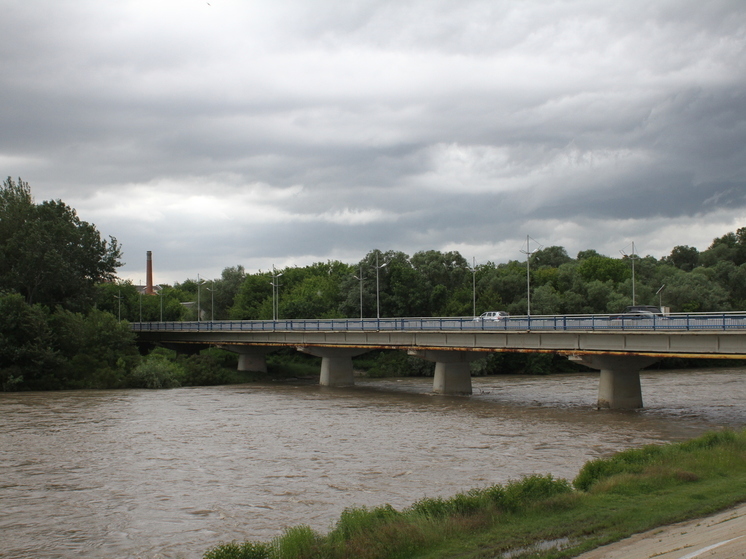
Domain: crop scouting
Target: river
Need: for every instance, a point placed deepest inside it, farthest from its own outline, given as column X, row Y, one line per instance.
column 170, row 473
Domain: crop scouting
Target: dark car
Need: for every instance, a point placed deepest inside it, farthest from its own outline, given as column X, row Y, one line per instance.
column 638, row 311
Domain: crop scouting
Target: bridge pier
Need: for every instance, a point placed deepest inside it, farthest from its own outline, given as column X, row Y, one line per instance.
column 619, row 383
column 250, row 357
column 336, row 364
column 452, row 371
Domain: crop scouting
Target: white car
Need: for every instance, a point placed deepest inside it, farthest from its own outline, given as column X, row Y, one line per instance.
column 493, row 315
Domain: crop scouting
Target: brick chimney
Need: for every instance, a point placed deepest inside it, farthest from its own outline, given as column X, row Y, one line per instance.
column 149, row 278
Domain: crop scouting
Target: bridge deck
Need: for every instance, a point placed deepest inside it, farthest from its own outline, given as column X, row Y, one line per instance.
column 691, row 335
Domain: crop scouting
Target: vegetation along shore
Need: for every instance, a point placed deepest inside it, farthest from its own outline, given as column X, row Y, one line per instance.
column 64, row 314
column 537, row 516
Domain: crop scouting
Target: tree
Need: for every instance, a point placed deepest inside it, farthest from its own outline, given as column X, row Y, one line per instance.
column 226, row 289
column 443, row 277
column 553, row 257
column 603, row 268
column 696, row 292
column 47, row 253
column 254, row 298
column 27, row 354
column 683, row 257
column 731, row 246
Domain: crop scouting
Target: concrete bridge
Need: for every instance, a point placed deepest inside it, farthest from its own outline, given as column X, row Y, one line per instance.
column 617, row 346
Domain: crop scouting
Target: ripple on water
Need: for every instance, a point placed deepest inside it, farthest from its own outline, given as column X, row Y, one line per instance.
column 171, row 473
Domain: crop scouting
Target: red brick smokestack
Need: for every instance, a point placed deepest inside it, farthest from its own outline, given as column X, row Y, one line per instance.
column 149, row 280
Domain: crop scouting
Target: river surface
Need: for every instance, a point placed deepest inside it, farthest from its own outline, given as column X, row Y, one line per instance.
column 171, row 473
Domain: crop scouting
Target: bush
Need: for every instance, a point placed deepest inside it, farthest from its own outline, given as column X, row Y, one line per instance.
column 531, row 490
column 297, row 542
column 245, row 550
column 156, row 372
column 355, row 520
column 202, row 370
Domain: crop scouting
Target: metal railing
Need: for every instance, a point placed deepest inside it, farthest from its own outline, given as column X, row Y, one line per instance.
column 593, row 322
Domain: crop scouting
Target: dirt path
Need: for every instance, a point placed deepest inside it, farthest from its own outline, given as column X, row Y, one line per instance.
column 721, row 536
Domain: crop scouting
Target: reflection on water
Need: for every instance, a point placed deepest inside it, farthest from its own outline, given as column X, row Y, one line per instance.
column 170, row 473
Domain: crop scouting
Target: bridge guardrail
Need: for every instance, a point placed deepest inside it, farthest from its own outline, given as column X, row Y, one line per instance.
column 671, row 322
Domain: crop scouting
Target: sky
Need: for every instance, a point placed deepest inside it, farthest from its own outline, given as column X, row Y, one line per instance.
column 281, row 133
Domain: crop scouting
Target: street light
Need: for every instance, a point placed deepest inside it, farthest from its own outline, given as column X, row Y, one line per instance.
column 119, row 298
column 212, row 300
column 199, row 283
column 378, row 291
column 474, row 284
column 361, row 290
column 659, row 293
column 632, row 256
column 528, row 254
column 275, row 288
column 160, row 294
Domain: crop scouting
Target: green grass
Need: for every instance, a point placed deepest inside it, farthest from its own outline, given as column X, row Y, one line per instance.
column 610, row 499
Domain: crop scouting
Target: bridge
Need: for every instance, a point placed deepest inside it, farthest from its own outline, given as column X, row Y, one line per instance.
column 618, row 346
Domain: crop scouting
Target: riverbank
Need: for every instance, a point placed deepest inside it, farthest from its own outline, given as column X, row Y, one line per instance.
column 718, row 536
column 610, row 499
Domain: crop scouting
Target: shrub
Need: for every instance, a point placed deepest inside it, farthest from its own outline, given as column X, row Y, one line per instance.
column 297, row 542
column 202, row 370
column 629, row 461
column 156, row 372
column 362, row 519
column 235, row 550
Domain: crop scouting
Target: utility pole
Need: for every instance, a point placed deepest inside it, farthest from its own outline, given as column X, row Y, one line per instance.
column 528, row 252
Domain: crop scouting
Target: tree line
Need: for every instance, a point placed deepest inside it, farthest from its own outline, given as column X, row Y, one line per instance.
column 64, row 314
column 434, row 283
column 54, row 268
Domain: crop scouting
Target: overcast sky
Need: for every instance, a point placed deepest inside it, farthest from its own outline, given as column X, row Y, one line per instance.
column 286, row 132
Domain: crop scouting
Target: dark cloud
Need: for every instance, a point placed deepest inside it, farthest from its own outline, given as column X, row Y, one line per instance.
column 286, row 132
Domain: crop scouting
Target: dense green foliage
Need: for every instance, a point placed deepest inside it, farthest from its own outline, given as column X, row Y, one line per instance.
column 48, row 254
column 433, row 283
column 63, row 321
column 614, row 497
column 43, row 349
column 64, row 324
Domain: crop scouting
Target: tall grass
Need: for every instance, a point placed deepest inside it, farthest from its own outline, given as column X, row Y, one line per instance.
column 368, row 533
column 610, row 498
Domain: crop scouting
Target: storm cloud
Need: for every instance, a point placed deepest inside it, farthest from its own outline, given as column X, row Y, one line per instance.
column 287, row 132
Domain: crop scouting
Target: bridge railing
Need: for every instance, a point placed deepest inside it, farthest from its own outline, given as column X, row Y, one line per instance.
column 592, row 322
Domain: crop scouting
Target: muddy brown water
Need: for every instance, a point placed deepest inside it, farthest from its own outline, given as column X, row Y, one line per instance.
column 171, row 473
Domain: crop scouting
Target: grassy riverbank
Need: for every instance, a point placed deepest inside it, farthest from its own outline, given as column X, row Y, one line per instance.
column 611, row 498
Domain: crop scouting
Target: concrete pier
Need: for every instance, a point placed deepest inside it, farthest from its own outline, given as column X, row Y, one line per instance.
column 452, row 371
column 336, row 364
column 619, row 383
column 250, row 358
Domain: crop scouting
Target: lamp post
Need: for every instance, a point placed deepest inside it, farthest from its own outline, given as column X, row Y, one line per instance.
column 275, row 288
column 378, row 291
column 474, row 284
column 632, row 256
column 212, row 300
column 160, row 294
column 659, row 293
column 199, row 283
column 140, row 291
column 119, row 299
column 528, row 252
column 361, row 291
